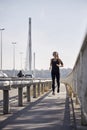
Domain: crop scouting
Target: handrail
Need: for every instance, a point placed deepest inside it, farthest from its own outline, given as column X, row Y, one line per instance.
column 7, row 84
column 77, row 80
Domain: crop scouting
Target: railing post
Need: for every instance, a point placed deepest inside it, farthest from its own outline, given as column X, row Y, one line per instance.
column 34, row 91
column 50, row 84
column 74, row 94
column 5, row 101
column 66, row 88
column 42, row 88
column 38, row 89
column 46, row 87
column 69, row 91
column 28, row 93
column 20, row 98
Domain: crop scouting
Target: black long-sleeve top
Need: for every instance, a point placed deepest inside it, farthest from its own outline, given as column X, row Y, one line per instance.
column 54, row 64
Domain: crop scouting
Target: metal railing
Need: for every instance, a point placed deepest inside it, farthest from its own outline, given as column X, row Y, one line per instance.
column 76, row 81
column 39, row 86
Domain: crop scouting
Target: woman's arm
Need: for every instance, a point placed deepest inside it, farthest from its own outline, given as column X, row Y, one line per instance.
column 60, row 63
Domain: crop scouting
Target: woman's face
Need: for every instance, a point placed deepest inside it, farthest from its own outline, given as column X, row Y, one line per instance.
column 55, row 55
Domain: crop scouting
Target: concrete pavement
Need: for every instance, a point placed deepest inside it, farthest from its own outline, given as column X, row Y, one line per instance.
column 50, row 112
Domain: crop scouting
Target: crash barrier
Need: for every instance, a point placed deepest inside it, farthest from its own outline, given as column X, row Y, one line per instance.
column 39, row 86
column 76, row 81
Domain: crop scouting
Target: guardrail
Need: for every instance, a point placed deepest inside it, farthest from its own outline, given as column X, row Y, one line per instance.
column 76, row 81
column 6, row 84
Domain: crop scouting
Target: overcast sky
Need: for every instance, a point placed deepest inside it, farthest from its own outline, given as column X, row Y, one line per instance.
column 57, row 25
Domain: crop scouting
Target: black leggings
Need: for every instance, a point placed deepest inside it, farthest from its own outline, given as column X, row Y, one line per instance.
column 55, row 74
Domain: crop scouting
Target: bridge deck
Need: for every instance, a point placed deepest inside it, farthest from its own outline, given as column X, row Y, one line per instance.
column 51, row 112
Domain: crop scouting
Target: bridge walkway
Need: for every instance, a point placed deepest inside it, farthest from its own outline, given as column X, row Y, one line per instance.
column 50, row 112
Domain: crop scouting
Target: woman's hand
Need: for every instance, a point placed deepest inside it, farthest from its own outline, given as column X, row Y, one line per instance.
column 59, row 65
column 62, row 66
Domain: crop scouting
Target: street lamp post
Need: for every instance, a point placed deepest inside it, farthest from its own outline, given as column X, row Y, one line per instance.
column 34, row 64
column 21, row 53
column 1, row 29
column 14, row 43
